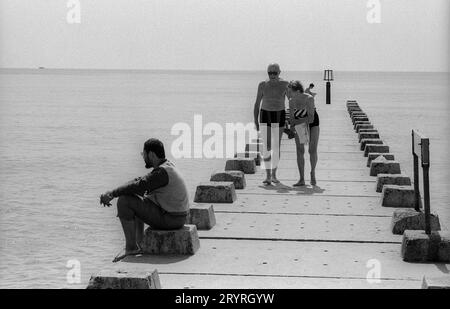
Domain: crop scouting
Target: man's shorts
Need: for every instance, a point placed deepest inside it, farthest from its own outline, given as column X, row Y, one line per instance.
column 150, row 213
column 273, row 117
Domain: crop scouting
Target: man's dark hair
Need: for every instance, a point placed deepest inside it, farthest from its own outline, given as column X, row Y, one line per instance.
column 156, row 146
column 311, row 85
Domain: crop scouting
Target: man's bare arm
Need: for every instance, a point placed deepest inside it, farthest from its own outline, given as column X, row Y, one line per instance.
column 257, row 107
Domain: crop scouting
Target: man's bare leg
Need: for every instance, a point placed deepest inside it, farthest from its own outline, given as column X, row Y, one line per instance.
column 266, row 155
column 274, row 171
column 129, row 229
column 139, row 232
column 131, row 248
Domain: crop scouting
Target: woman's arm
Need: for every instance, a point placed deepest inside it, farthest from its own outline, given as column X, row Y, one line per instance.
column 291, row 114
column 292, row 120
column 257, row 107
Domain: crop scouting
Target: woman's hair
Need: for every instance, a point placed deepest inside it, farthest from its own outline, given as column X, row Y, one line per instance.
column 296, row 85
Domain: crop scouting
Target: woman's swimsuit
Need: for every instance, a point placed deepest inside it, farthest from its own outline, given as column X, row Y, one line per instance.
column 316, row 121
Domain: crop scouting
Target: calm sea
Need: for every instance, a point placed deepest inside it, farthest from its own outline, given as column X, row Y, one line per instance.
column 68, row 135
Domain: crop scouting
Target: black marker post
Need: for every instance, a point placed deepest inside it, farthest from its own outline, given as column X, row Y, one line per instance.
column 328, row 76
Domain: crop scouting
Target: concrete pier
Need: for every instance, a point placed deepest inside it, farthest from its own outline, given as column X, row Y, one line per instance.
column 332, row 235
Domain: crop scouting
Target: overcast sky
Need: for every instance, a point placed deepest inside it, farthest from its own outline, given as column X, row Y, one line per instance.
column 226, row 35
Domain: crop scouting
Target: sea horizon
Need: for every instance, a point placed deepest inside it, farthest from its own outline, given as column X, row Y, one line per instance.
column 229, row 71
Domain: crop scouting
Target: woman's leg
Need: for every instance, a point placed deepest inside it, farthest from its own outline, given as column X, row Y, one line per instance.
column 300, row 161
column 313, row 156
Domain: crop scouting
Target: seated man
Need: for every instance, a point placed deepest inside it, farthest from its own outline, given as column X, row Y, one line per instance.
column 159, row 199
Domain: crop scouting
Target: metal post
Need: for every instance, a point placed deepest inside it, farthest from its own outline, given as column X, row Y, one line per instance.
column 328, row 93
column 426, row 193
column 416, row 182
column 425, row 147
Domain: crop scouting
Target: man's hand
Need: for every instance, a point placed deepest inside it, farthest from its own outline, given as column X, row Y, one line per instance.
column 257, row 126
column 105, row 199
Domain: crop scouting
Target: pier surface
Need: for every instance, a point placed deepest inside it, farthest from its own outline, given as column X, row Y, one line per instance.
column 334, row 235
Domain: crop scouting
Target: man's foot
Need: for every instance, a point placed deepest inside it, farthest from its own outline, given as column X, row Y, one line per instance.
column 124, row 253
column 275, row 180
column 268, row 158
column 300, row 183
column 313, row 179
column 267, row 182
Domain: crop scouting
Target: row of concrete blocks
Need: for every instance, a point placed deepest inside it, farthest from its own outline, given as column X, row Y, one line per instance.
column 397, row 191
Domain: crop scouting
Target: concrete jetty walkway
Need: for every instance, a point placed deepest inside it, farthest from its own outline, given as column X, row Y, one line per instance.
column 334, row 235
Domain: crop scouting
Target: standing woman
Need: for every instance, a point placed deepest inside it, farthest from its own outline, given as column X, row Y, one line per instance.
column 269, row 112
column 304, row 122
column 314, row 132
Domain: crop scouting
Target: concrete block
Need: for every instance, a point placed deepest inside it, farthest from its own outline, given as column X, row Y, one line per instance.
column 363, row 118
column 368, row 135
column 202, row 216
column 355, row 124
column 373, row 155
column 354, row 114
column 409, row 219
column 248, row 166
column 215, row 192
column 366, row 125
column 124, row 279
column 236, row 177
column 253, row 147
column 417, row 246
column 368, row 131
column 383, row 166
column 391, row 179
column 183, row 241
column 398, row 196
column 250, row 154
column 353, row 105
column 372, row 141
column 381, row 148
column 436, row 283
column 358, row 115
column 354, row 109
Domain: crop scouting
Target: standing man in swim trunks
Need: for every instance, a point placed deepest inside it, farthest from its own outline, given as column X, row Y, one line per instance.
column 270, row 118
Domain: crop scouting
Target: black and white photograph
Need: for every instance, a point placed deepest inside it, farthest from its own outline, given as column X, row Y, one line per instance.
column 220, row 145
